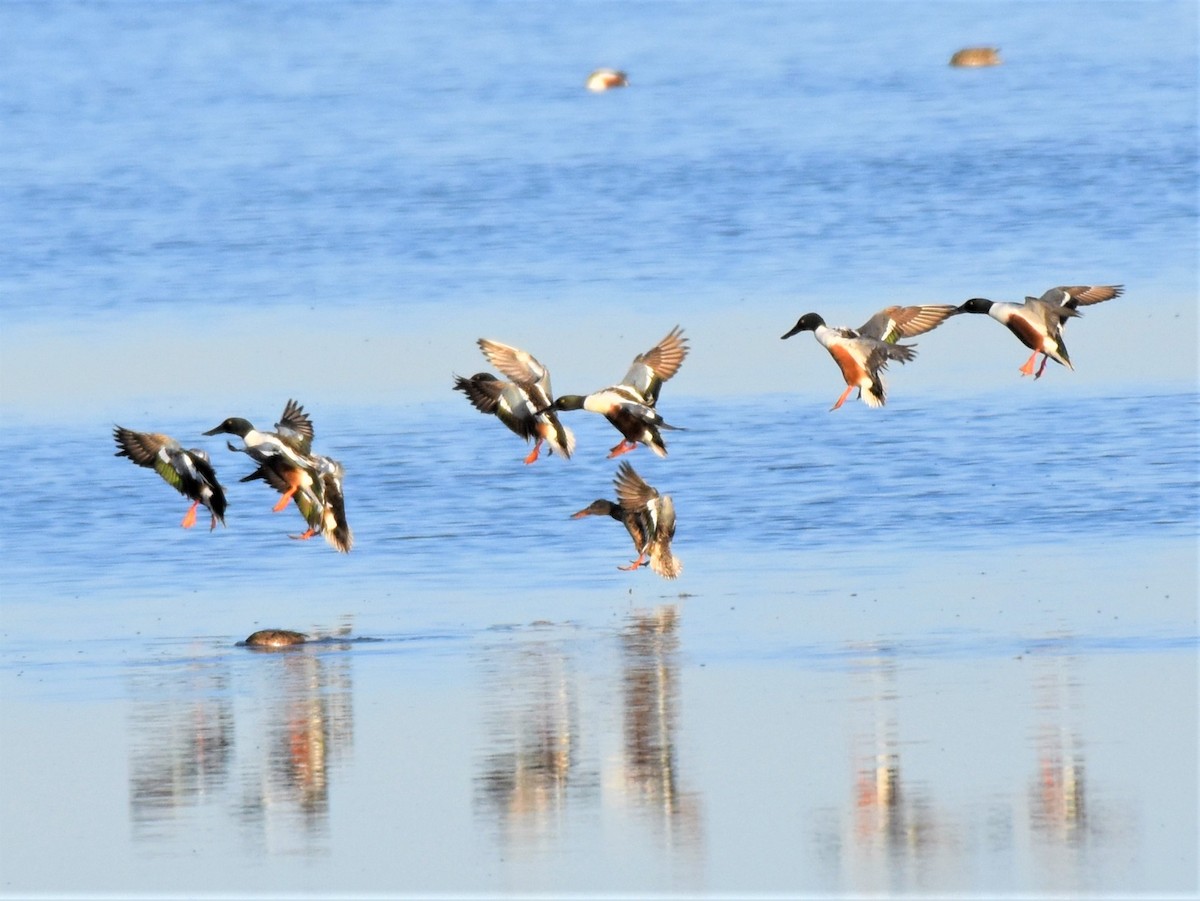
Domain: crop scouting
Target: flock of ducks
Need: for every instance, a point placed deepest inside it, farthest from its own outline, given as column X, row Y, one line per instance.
column 283, row 458
column 863, row 353
column 522, row 399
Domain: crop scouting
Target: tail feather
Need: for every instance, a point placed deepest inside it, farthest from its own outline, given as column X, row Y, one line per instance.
column 340, row 538
column 874, row 395
column 666, row 564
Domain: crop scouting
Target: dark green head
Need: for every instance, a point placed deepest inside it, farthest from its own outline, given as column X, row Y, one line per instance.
column 232, row 426
column 976, row 305
column 569, row 402
column 809, row 322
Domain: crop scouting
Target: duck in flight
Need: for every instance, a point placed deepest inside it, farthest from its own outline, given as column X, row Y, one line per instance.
column 286, row 449
column 1038, row 323
column 187, row 471
column 631, row 404
column 317, row 491
column 863, row 353
column 648, row 516
column 286, row 463
column 524, row 403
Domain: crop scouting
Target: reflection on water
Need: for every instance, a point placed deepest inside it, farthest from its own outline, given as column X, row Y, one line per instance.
column 899, row 835
column 1058, row 794
column 533, row 770
column 648, row 775
column 1069, row 831
column 293, row 713
column 307, row 728
column 585, row 756
column 897, row 829
column 540, row 776
column 181, row 744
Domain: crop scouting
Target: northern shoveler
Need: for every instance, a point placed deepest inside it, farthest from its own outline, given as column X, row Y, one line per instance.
column 606, row 79
column 317, row 492
column 1038, row 322
column 630, row 405
column 187, row 471
column 288, row 446
column 970, row 57
column 648, row 516
column 863, row 353
column 524, row 404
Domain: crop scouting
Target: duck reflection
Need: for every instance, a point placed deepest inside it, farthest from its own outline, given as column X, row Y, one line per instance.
column 308, row 725
column 534, row 770
column 896, row 828
column 300, row 722
column 182, row 742
column 1058, row 806
column 649, row 772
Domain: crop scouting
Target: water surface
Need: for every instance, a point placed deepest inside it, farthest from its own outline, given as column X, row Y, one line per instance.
column 948, row 646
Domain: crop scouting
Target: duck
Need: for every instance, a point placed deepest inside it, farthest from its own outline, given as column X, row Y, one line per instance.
column 648, row 516
column 274, row 638
column 288, row 446
column 863, row 353
column 524, row 403
column 604, row 79
column 631, row 405
column 187, row 471
column 970, row 57
column 1038, row 323
column 316, row 489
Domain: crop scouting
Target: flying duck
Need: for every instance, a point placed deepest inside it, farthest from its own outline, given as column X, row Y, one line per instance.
column 863, row 353
column 287, row 448
column 316, row 489
column 648, row 516
column 1038, row 322
column 524, row 403
column 187, row 471
column 630, row 405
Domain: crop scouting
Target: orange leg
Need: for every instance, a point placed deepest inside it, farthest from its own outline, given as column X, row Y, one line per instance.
column 841, row 400
column 283, row 501
column 1027, row 369
column 533, row 454
column 304, row 536
column 623, row 448
column 640, row 561
column 189, row 518
column 1042, row 368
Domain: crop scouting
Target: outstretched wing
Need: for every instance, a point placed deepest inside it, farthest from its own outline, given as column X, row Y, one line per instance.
column 657, row 365
column 482, row 389
column 141, row 447
column 156, row 451
column 518, row 365
column 295, row 428
column 632, row 491
column 893, row 323
column 1073, row 296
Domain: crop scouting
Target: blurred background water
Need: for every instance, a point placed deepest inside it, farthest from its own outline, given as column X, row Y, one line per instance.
column 949, row 645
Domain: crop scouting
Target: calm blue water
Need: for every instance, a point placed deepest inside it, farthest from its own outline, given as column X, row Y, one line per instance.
column 223, row 155
column 947, row 646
